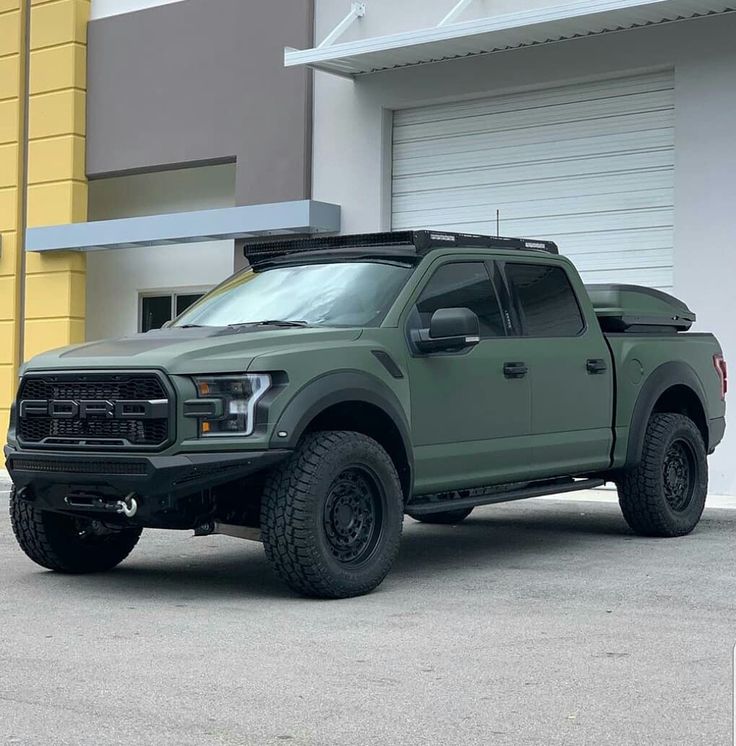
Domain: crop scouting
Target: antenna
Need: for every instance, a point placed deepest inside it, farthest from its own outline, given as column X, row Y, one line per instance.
column 498, row 223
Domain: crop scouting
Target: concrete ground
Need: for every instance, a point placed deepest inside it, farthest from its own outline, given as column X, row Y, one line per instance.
column 542, row 622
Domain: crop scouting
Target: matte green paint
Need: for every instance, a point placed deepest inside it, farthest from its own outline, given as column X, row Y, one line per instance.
column 469, row 424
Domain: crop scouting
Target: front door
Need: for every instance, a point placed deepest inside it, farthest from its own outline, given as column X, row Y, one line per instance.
column 470, row 419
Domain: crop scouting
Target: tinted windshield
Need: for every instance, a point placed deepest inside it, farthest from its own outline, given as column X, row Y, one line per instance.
column 336, row 294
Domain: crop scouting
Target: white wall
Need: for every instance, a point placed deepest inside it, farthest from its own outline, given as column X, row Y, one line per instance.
column 105, row 8
column 352, row 139
column 115, row 278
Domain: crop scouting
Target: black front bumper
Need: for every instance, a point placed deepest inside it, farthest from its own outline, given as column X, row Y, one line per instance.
column 161, row 482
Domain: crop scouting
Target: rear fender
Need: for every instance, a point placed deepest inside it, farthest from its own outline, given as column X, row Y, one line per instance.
column 662, row 378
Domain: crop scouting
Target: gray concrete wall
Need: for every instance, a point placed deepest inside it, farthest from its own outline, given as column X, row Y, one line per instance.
column 199, row 82
column 352, row 141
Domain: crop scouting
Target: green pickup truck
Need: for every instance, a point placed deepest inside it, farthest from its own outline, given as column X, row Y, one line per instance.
column 314, row 399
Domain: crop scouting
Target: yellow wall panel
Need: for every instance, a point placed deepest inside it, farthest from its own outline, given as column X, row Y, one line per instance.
column 8, row 385
column 8, row 5
column 57, row 68
column 8, row 208
column 7, row 346
column 7, row 299
column 9, row 76
column 55, row 284
column 56, row 294
column 62, row 261
column 8, row 165
column 9, row 113
column 59, row 113
column 4, row 420
column 57, row 203
column 7, row 342
column 55, row 159
column 9, row 244
column 10, row 33
column 58, row 23
column 47, row 334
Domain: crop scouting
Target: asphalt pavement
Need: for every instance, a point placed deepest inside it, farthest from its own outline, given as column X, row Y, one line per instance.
column 541, row 622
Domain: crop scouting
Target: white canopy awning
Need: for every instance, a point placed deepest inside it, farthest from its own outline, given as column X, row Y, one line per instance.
column 498, row 33
column 248, row 221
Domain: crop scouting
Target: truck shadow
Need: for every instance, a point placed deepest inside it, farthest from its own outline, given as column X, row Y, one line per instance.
column 175, row 568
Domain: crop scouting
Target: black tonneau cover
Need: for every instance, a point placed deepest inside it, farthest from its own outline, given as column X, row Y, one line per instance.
column 636, row 309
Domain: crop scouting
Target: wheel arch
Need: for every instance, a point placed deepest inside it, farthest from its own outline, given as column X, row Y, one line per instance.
column 350, row 400
column 672, row 387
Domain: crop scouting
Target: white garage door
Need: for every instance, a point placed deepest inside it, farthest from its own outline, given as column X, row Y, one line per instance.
column 587, row 165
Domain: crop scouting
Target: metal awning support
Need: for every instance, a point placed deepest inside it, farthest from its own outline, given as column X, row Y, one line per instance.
column 250, row 221
column 357, row 10
column 455, row 12
column 453, row 39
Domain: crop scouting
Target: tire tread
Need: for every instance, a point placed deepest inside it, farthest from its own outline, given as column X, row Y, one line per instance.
column 640, row 489
column 31, row 527
column 286, row 511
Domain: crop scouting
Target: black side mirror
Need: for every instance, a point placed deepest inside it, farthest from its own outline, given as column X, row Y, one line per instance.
column 450, row 330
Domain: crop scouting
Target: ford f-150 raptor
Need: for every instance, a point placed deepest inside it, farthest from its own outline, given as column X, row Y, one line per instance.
column 337, row 384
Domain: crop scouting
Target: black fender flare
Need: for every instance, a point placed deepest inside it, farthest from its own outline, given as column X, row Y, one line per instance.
column 335, row 388
column 662, row 378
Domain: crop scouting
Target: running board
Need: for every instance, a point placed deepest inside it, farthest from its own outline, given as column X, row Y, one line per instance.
column 492, row 495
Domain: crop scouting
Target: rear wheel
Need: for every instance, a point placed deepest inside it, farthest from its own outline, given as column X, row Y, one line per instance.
column 331, row 516
column 448, row 517
column 68, row 544
column 665, row 494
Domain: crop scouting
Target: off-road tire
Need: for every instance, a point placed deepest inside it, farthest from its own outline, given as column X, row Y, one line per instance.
column 302, row 495
column 55, row 541
column 448, row 517
column 643, row 492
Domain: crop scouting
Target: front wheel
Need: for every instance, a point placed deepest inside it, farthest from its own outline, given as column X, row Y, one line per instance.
column 68, row 544
column 665, row 494
column 331, row 515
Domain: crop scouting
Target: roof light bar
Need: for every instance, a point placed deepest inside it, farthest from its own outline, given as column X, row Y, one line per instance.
column 414, row 243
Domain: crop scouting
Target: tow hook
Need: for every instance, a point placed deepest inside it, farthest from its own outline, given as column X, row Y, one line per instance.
column 128, row 506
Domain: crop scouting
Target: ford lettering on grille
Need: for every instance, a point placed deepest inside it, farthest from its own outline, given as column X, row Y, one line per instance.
column 124, row 410
column 68, row 409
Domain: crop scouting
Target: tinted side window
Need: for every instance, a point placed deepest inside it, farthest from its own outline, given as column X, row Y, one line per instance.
column 546, row 299
column 462, row 285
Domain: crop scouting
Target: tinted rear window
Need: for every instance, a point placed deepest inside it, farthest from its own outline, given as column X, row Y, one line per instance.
column 547, row 302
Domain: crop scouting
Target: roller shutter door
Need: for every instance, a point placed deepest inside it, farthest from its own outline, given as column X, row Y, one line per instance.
column 587, row 165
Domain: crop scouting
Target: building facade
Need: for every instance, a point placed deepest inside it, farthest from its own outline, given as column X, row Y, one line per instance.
column 143, row 141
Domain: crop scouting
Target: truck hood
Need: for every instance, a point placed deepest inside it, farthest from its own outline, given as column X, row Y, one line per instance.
column 190, row 351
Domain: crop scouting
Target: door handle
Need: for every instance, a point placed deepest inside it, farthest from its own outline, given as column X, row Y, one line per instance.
column 515, row 370
column 596, row 366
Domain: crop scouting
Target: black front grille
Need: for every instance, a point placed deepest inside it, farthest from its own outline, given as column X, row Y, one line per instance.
column 39, row 427
column 94, row 387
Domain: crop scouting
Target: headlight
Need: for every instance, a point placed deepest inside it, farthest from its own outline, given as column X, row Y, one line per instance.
column 238, row 396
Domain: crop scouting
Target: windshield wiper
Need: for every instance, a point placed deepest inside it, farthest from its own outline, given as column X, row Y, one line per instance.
column 270, row 322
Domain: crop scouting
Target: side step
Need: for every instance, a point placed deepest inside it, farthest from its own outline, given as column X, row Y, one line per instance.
column 472, row 498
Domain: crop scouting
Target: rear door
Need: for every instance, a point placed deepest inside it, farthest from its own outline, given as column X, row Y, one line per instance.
column 470, row 421
column 570, row 369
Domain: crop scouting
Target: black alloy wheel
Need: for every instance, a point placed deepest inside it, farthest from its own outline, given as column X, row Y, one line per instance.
column 353, row 515
column 678, row 475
